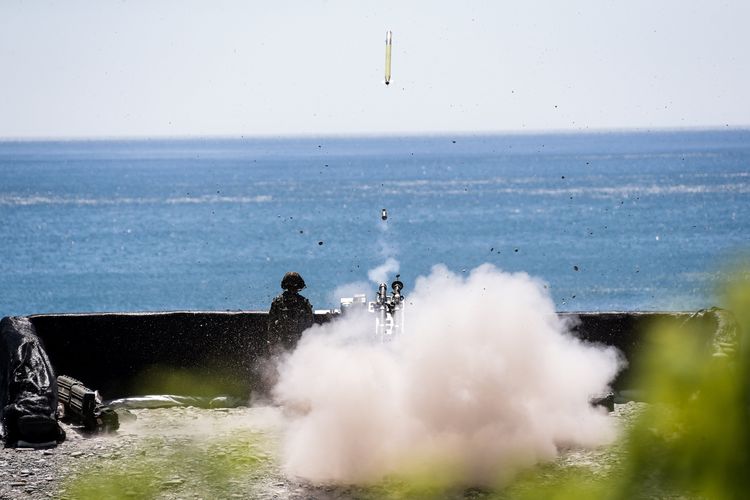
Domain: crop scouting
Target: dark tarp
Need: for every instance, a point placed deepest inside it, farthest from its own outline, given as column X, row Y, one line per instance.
column 28, row 387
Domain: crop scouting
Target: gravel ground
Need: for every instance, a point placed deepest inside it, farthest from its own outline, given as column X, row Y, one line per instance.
column 191, row 453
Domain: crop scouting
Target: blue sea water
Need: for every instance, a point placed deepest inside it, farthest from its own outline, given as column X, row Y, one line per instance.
column 611, row 221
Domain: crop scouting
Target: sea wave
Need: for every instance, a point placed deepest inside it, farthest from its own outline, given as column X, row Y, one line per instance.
column 650, row 156
column 654, row 190
column 15, row 200
column 627, row 190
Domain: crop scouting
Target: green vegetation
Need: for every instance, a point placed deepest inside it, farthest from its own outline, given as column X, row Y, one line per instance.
column 190, row 468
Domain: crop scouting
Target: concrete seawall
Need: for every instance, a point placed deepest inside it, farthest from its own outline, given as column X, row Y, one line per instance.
column 125, row 354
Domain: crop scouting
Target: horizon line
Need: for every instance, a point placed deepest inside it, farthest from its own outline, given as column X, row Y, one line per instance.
column 375, row 135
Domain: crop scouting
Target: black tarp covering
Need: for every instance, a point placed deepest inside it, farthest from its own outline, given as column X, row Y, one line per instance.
column 28, row 387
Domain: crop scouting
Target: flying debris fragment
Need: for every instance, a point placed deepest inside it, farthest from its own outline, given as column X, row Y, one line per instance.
column 384, row 214
column 388, row 57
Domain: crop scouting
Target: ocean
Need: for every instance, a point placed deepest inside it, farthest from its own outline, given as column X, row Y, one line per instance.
column 609, row 221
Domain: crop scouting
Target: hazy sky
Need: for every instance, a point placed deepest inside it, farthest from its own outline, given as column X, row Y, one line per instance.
column 154, row 68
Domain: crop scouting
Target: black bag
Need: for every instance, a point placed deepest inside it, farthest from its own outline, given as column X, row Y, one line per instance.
column 28, row 387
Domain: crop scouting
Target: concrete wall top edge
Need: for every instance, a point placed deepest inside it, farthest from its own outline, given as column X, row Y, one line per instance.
column 323, row 312
column 142, row 313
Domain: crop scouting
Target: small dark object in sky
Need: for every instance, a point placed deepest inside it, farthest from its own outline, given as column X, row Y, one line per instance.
column 384, row 214
column 454, row 142
column 563, row 177
column 320, row 243
column 575, row 268
column 516, row 250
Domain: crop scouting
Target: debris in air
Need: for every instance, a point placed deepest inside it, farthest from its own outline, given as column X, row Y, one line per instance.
column 384, row 214
column 388, row 37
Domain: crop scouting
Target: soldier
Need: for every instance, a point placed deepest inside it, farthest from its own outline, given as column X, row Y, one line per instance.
column 290, row 314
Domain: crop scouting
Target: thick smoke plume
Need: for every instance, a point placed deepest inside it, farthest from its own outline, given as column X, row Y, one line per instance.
column 486, row 381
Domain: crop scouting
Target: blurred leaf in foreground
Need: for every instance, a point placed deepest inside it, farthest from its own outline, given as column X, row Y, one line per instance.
column 693, row 439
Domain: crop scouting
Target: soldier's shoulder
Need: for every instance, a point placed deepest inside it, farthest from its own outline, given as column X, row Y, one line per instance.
column 299, row 300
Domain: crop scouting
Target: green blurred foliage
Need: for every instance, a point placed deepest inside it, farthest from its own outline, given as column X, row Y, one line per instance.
column 215, row 469
column 693, row 438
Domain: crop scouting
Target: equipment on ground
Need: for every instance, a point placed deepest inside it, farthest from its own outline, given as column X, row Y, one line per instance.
column 388, row 310
column 83, row 406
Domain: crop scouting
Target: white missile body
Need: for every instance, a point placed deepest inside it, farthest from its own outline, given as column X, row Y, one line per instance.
column 388, row 36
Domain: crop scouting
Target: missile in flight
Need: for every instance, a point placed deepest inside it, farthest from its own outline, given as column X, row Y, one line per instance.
column 388, row 36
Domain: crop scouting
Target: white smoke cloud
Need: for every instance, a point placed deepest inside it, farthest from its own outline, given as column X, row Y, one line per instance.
column 349, row 290
column 377, row 275
column 386, row 246
column 381, row 273
column 485, row 381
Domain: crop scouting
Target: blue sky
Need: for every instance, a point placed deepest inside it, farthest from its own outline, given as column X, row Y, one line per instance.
column 230, row 68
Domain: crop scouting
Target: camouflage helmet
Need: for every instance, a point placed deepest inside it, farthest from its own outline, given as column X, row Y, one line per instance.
column 292, row 281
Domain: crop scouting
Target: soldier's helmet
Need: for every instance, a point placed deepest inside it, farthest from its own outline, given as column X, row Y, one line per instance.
column 292, row 281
